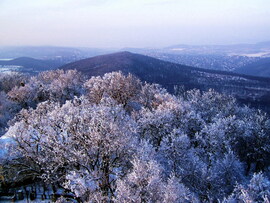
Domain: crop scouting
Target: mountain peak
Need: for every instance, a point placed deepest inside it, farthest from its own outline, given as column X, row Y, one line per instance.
column 125, row 61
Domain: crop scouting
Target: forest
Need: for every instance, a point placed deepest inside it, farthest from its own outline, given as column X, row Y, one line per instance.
column 114, row 138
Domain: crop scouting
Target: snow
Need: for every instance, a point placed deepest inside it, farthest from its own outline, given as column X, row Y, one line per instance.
column 6, row 144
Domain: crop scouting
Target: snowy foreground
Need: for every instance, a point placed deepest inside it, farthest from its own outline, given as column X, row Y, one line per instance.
column 117, row 139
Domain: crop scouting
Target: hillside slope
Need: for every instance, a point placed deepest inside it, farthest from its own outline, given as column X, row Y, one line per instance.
column 258, row 68
column 32, row 65
column 248, row 89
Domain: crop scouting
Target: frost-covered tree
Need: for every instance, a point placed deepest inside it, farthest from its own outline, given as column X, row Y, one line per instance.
column 176, row 192
column 217, row 138
column 62, row 85
column 11, row 80
column 253, row 145
column 142, row 184
column 169, row 113
column 78, row 136
column 155, row 125
column 178, row 157
column 123, row 89
column 55, row 85
column 7, row 110
column 211, row 174
column 152, row 95
column 258, row 190
column 128, row 141
column 145, row 184
column 225, row 173
column 174, row 152
column 211, row 104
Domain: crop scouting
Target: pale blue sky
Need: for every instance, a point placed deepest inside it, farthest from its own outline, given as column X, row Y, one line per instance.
column 133, row 23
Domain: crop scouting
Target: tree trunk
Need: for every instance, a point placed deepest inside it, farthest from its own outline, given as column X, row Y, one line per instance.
column 105, row 184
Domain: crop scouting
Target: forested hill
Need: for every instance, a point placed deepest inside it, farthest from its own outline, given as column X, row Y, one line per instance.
column 31, row 65
column 248, row 89
column 259, row 68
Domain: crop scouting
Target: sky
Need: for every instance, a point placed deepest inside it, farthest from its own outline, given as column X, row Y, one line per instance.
column 132, row 23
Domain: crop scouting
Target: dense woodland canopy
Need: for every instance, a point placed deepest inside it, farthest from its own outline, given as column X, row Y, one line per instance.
column 116, row 139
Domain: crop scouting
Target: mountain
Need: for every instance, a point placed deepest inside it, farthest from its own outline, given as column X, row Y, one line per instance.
column 258, row 68
column 247, row 89
column 30, row 65
column 146, row 68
